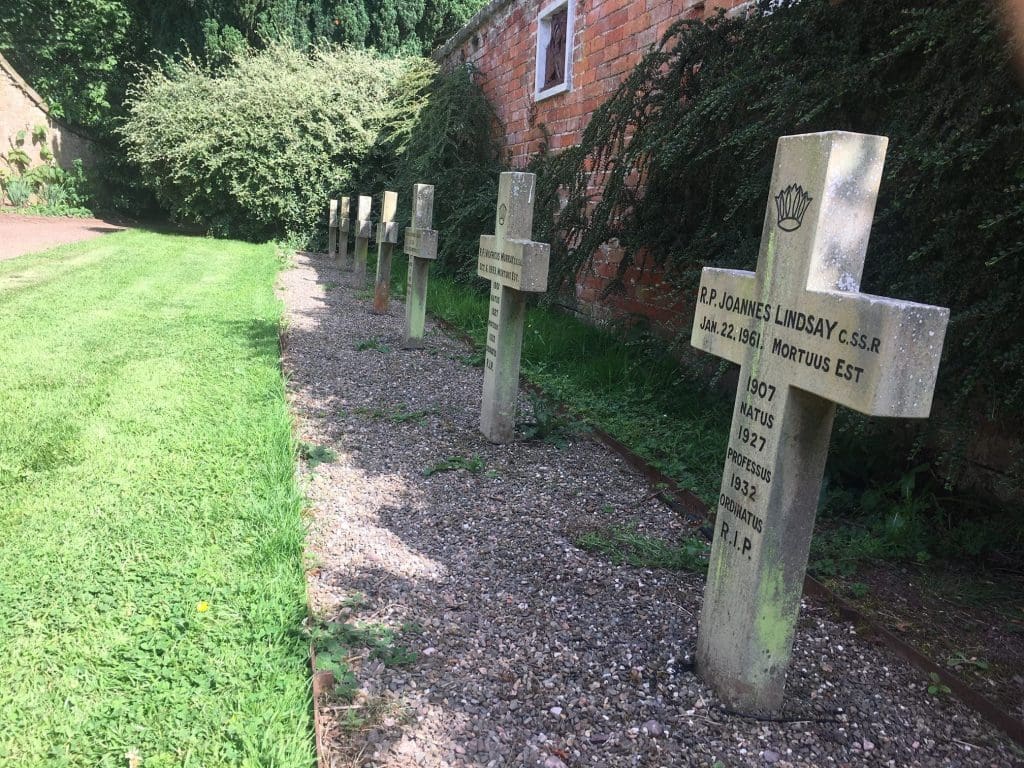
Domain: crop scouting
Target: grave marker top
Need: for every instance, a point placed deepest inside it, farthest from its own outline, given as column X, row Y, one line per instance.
column 364, row 226
column 420, row 240
column 387, row 227
column 802, row 308
column 509, row 257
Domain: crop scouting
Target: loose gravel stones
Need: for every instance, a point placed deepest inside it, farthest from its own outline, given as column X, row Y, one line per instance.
column 532, row 652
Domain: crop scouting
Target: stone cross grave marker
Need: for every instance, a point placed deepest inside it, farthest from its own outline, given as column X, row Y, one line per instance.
column 343, row 227
column 332, row 228
column 363, row 233
column 421, row 248
column 515, row 265
column 806, row 340
column 387, row 236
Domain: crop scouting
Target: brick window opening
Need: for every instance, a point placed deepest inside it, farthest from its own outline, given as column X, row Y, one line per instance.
column 554, row 48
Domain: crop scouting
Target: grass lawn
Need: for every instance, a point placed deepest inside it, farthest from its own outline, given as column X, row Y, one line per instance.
column 151, row 585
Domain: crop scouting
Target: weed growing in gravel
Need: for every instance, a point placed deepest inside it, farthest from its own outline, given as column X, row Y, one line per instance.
column 329, row 286
column 414, row 416
column 624, row 544
column 549, row 424
column 355, row 601
column 936, row 687
column 338, row 643
column 453, row 463
column 315, row 455
column 858, row 589
column 962, row 661
column 374, row 343
column 399, row 415
column 475, row 359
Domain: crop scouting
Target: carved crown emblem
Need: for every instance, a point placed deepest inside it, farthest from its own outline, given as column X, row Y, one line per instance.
column 791, row 204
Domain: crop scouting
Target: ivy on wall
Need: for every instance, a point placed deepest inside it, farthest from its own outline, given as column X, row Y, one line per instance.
column 681, row 155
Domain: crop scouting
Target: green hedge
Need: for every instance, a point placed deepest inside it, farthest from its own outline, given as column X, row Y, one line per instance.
column 254, row 150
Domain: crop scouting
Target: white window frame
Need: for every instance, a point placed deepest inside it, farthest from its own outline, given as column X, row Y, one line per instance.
column 544, row 37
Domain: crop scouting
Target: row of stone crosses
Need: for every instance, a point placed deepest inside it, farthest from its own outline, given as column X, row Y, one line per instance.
column 804, row 336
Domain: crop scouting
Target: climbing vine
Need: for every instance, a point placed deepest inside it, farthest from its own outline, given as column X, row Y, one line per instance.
column 675, row 166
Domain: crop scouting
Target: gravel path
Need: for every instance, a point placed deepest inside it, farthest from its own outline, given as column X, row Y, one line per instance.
column 532, row 652
column 28, row 234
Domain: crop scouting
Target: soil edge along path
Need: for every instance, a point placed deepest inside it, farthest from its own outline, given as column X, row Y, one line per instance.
column 479, row 634
column 29, row 234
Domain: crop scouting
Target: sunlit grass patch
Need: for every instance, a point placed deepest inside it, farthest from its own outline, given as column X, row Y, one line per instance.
column 152, row 589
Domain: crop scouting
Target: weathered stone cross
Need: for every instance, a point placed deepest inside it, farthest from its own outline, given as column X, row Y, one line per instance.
column 421, row 248
column 387, row 236
column 363, row 233
column 805, row 339
column 514, row 264
column 343, row 226
column 332, row 228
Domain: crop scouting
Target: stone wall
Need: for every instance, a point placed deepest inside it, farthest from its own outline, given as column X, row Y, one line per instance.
column 22, row 109
column 609, row 39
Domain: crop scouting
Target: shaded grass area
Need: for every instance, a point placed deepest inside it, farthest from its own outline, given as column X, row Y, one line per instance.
column 152, row 588
column 631, row 388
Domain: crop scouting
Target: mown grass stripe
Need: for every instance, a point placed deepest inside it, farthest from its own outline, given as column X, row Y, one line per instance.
column 146, row 467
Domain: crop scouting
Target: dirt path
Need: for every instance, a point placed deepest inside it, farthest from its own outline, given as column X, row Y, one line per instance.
column 28, row 234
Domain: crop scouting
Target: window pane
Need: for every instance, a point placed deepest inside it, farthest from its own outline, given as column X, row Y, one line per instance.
column 554, row 56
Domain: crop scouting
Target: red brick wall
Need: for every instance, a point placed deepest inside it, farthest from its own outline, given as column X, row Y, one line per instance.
column 609, row 38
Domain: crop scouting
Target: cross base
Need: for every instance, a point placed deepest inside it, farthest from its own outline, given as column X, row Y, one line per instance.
column 760, row 551
column 382, row 287
column 359, row 259
column 416, row 303
column 505, row 319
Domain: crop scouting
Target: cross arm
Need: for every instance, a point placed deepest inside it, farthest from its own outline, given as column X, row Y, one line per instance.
column 387, row 232
column 719, row 323
column 883, row 353
column 364, row 229
column 518, row 264
column 420, row 243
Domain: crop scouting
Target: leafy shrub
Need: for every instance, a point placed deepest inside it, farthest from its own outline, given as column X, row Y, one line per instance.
column 443, row 132
column 60, row 189
column 59, row 192
column 254, row 150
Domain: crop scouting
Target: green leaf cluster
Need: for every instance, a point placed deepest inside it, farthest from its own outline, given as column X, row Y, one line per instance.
column 70, row 51
column 254, row 149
